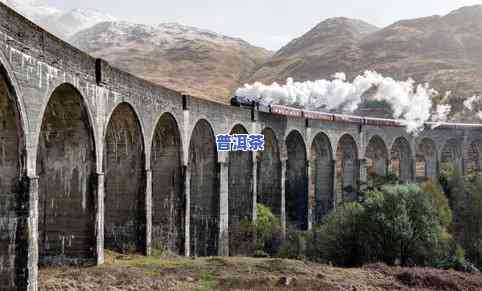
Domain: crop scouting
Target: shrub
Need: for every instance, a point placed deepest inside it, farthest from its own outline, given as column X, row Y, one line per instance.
column 396, row 224
column 242, row 238
column 439, row 201
column 337, row 239
column 295, row 244
column 268, row 230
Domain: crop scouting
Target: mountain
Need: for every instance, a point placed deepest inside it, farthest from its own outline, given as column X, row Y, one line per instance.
column 445, row 51
column 329, row 47
column 62, row 24
column 192, row 60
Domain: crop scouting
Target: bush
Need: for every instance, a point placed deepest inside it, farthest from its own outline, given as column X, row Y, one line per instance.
column 268, row 230
column 295, row 244
column 242, row 238
column 337, row 239
column 439, row 201
column 396, row 225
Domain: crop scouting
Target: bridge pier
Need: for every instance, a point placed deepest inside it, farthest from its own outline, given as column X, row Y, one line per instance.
column 28, row 277
column 283, row 197
column 187, row 205
column 311, row 192
column 223, row 245
column 99, row 217
column 148, row 213
column 363, row 174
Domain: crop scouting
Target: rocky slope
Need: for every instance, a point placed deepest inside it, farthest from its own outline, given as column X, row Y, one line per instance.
column 192, row 60
column 443, row 50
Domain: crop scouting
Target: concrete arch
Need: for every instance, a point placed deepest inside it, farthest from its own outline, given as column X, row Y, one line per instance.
column 168, row 201
column 401, row 159
column 16, row 90
column 204, row 191
column 376, row 154
column 451, row 156
column 321, row 173
column 140, row 123
column 88, row 112
column 347, row 169
column 124, row 185
column 296, row 181
column 240, row 199
column 149, row 139
column 473, row 156
column 426, row 160
column 66, row 163
column 236, row 125
column 13, row 244
column 269, row 173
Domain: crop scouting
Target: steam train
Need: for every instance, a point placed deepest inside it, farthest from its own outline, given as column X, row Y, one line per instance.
column 316, row 115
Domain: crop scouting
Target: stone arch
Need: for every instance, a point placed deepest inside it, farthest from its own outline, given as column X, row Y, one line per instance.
column 296, row 181
column 321, row 172
column 376, row 155
column 401, row 159
column 204, row 191
column 473, row 156
column 269, row 173
column 240, row 199
column 347, row 169
column 124, row 185
column 451, row 156
column 426, row 160
column 13, row 231
column 66, row 164
column 168, row 201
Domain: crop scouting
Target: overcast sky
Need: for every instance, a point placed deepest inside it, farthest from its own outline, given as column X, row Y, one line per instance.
column 266, row 23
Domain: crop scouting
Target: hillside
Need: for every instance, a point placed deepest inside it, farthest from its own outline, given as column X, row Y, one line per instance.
column 445, row 51
column 188, row 59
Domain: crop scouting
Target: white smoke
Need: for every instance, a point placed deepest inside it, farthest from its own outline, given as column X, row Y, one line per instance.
column 470, row 102
column 411, row 103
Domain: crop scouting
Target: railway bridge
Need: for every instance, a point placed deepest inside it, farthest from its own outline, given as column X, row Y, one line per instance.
column 93, row 158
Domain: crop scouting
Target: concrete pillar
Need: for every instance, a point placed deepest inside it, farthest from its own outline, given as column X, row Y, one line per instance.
column 148, row 206
column 363, row 174
column 311, row 192
column 413, row 170
column 187, row 218
column 223, row 245
column 31, row 272
column 283, row 197
column 255, row 186
column 99, row 217
column 334, row 188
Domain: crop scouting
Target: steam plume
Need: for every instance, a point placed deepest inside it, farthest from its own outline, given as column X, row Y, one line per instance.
column 411, row 103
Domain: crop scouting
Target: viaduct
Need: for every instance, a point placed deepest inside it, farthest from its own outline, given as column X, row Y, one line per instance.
column 93, row 158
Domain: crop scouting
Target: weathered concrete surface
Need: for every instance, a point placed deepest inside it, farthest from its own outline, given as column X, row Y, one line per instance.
column 150, row 152
column 322, row 168
column 204, row 191
column 346, row 169
column 65, row 166
column 240, row 197
column 269, row 173
column 12, row 212
column 167, row 198
column 124, row 182
column 296, row 182
column 376, row 155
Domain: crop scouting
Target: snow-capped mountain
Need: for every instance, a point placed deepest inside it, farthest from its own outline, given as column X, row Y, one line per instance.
column 61, row 23
column 196, row 61
column 164, row 36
